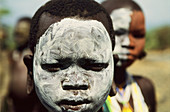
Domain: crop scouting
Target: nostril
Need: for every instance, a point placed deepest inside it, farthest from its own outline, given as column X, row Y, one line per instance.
column 75, row 87
column 83, row 87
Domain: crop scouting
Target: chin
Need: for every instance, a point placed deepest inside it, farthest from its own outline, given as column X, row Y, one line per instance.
column 73, row 108
column 125, row 64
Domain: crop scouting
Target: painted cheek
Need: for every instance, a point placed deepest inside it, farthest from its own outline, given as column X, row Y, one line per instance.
column 51, row 91
column 48, row 85
column 42, row 77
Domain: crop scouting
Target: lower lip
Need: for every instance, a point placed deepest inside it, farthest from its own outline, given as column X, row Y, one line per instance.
column 71, row 107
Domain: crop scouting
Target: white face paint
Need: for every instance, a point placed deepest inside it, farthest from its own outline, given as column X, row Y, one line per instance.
column 100, row 1
column 121, row 19
column 73, row 66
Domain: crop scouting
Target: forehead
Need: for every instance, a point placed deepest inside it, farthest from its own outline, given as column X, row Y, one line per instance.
column 75, row 38
column 46, row 19
column 23, row 24
column 138, row 21
column 70, row 29
column 121, row 18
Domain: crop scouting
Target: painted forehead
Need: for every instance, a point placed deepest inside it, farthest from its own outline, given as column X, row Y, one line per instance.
column 121, row 18
column 69, row 33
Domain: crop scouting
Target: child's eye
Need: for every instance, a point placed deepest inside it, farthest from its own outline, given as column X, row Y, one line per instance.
column 55, row 67
column 96, row 66
column 91, row 65
column 138, row 34
column 120, row 32
column 51, row 67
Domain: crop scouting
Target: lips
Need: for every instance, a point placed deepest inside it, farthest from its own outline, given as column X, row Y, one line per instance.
column 72, row 104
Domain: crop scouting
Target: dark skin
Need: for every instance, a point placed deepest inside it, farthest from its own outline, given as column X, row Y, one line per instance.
column 137, row 40
column 43, row 26
column 18, row 97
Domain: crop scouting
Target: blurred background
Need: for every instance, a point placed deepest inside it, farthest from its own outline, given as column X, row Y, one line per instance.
column 156, row 65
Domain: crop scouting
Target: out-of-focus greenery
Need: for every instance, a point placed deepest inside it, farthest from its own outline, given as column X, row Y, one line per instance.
column 158, row 38
column 8, row 29
column 10, row 42
column 3, row 11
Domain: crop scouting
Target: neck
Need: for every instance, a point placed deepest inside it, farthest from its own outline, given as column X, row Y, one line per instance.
column 120, row 76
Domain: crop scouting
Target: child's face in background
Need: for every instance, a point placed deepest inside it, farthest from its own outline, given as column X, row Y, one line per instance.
column 129, row 29
column 73, row 66
column 21, row 34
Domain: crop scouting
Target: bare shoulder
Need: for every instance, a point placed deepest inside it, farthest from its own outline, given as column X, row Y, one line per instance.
column 148, row 91
column 144, row 83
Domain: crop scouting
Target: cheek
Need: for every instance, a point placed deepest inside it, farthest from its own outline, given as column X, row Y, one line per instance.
column 102, row 82
column 46, row 81
column 47, row 85
column 138, row 44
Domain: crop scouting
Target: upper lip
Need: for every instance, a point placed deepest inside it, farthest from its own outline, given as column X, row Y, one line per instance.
column 126, row 54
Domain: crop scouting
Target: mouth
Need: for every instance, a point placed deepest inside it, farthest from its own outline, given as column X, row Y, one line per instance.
column 72, row 104
column 126, row 56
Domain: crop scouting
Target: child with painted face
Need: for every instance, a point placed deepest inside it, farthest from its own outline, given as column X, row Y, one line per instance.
column 72, row 64
column 134, row 93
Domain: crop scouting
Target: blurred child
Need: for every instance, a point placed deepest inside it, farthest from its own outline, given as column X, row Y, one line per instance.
column 134, row 93
column 19, row 100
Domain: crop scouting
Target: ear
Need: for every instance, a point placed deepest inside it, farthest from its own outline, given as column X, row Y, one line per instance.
column 28, row 60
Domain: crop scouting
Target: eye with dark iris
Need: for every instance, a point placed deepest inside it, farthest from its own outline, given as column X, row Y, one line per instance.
column 120, row 32
column 138, row 34
column 51, row 67
column 55, row 67
column 89, row 64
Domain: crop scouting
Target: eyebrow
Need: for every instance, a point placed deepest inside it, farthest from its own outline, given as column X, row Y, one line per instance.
column 62, row 63
column 88, row 61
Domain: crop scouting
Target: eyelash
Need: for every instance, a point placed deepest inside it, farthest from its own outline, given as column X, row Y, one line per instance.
column 121, row 32
column 51, row 67
column 85, row 65
column 91, row 65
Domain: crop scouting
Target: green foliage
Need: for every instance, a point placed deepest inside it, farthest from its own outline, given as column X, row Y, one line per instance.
column 158, row 38
column 3, row 11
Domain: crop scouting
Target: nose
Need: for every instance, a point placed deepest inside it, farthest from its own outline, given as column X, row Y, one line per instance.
column 127, row 42
column 124, row 40
column 75, row 81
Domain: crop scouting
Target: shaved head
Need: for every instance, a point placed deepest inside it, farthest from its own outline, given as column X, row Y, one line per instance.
column 111, row 5
column 56, row 10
